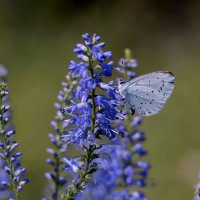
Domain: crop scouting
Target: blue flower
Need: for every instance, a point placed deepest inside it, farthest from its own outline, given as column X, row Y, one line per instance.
column 106, row 69
column 4, row 182
column 72, row 164
column 3, row 73
column 127, row 64
column 120, row 168
column 127, row 195
column 138, row 149
column 82, row 115
column 57, row 175
column 90, row 113
column 78, row 69
column 14, row 180
column 131, row 63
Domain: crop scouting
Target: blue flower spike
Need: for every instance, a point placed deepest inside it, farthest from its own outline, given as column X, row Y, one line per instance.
column 91, row 113
column 121, row 163
column 14, row 181
column 57, row 176
column 89, row 110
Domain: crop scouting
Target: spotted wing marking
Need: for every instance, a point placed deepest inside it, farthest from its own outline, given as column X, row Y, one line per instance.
column 147, row 94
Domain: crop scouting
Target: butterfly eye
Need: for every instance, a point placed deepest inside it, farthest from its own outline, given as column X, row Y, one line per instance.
column 121, row 82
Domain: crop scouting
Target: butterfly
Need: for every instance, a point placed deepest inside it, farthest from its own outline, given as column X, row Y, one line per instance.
column 147, row 94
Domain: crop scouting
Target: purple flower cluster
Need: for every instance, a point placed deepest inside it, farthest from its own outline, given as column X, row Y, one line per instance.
column 94, row 107
column 127, row 64
column 90, row 108
column 91, row 113
column 121, row 168
column 3, row 73
column 88, row 117
column 4, row 193
column 131, row 151
column 57, row 177
column 127, row 195
column 8, row 153
column 120, row 163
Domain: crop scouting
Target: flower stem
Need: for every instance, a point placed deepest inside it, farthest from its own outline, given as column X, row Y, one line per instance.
column 57, row 179
column 83, row 175
column 93, row 109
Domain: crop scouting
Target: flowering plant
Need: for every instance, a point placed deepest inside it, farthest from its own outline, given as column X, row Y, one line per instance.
column 89, row 111
column 97, row 150
column 11, row 178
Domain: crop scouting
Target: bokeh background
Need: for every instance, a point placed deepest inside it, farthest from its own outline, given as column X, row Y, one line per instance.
column 36, row 42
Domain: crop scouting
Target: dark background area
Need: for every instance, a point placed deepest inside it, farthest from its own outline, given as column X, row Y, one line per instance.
column 36, row 42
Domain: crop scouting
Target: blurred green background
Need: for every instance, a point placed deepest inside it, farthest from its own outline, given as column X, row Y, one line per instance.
column 36, row 42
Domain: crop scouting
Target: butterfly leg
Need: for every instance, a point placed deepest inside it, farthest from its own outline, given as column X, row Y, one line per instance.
column 132, row 111
column 122, row 98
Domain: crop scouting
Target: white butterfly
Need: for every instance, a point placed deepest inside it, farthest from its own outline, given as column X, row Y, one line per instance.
column 147, row 94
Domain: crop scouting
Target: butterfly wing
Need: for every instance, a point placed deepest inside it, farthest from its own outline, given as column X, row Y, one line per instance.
column 148, row 94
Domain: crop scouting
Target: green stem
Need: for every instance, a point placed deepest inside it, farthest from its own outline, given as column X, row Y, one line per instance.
column 58, row 162
column 82, row 179
column 93, row 109
column 57, row 179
